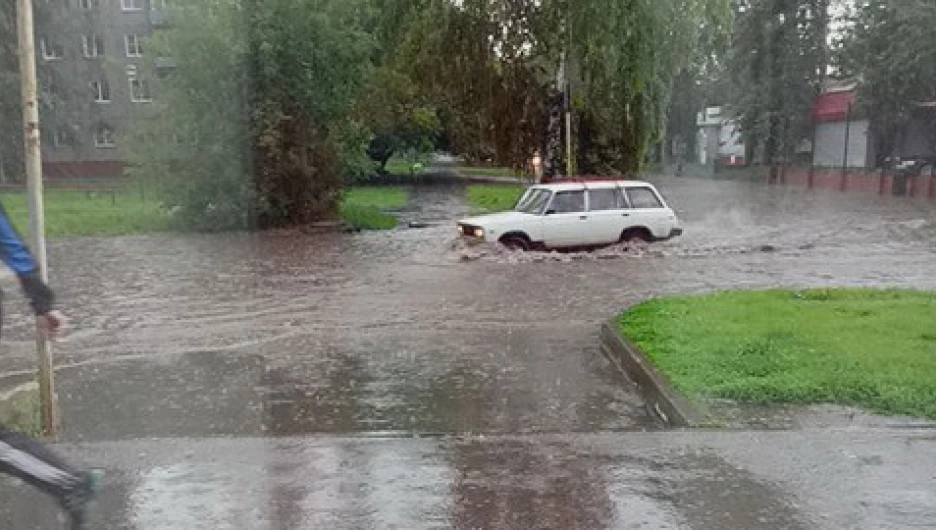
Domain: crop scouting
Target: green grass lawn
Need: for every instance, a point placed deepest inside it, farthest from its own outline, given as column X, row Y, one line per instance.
column 493, row 198
column 76, row 213
column 869, row 348
column 405, row 168
column 365, row 208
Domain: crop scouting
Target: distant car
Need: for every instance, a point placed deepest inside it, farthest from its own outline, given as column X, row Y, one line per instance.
column 578, row 214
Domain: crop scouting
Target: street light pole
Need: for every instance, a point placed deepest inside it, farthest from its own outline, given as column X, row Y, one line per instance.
column 28, row 88
column 567, row 97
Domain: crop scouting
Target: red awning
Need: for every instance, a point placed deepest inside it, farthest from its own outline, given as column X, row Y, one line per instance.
column 833, row 106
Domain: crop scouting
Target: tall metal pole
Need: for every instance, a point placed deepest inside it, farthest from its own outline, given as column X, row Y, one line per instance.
column 567, row 92
column 27, row 61
column 848, row 113
column 568, row 124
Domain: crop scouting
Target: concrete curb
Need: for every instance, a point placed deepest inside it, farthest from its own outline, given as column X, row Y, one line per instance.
column 671, row 407
column 19, row 406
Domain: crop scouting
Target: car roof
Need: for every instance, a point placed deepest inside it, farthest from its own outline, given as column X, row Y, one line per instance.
column 585, row 184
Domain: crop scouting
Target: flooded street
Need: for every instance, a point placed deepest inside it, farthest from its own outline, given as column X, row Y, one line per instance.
column 398, row 365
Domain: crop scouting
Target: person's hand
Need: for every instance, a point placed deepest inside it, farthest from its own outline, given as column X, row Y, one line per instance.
column 51, row 325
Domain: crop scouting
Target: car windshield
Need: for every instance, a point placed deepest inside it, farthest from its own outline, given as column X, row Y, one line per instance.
column 533, row 201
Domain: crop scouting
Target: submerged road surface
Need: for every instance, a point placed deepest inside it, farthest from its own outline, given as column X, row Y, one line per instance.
column 393, row 380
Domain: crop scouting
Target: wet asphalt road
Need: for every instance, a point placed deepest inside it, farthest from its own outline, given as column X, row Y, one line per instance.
column 382, row 381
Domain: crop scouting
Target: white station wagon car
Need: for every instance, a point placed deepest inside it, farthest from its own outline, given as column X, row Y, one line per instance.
column 578, row 214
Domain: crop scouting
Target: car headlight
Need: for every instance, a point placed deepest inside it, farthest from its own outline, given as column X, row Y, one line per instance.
column 479, row 233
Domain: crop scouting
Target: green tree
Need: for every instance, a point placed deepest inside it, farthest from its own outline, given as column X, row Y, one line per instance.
column 628, row 56
column 251, row 127
column 889, row 47
column 11, row 139
column 399, row 117
column 778, row 62
column 492, row 67
column 197, row 132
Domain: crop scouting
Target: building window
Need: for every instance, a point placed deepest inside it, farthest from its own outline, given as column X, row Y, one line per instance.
column 159, row 4
column 134, row 45
column 140, row 91
column 104, row 137
column 88, row 4
column 93, row 45
column 51, row 51
column 56, row 137
column 52, row 93
column 50, row 138
column 131, row 5
column 101, row 91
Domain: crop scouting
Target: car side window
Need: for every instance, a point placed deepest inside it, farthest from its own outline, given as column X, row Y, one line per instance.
column 568, row 202
column 643, row 198
column 605, row 199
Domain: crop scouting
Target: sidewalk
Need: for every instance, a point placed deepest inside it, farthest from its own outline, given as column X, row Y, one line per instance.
column 847, row 478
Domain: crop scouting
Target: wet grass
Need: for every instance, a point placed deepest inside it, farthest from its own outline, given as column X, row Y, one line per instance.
column 493, row 198
column 406, row 167
column 366, row 208
column 79, row 213
column 874, row 349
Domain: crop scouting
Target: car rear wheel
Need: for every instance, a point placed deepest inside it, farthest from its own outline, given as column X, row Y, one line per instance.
column 516, row 243
column 636, row 235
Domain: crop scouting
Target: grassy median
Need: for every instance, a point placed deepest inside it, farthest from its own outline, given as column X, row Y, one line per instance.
column 366, row 208
column 493, row 198
column 874, row 349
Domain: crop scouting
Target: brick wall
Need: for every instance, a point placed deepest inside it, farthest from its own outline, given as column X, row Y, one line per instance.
column 859, row 181
column 63, row 170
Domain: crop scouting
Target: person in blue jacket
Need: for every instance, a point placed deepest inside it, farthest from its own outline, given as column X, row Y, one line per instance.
column 20, row 455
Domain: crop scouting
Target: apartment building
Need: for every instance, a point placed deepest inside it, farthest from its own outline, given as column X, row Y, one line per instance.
column 91, row 52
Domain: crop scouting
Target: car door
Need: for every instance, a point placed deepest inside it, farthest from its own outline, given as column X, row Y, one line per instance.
column 607, row 215
column 565, row 219
column 647, row 210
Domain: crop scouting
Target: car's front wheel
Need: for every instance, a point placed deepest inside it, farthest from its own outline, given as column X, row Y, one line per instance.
column 515, row 243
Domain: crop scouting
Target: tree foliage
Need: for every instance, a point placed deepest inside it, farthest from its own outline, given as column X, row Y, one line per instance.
column 253, row 126
column 11, row 139
column 778, row 61
column 890, row 47
column 399, row 117
column 492, row 67
column 629, row 54
column 197, row 135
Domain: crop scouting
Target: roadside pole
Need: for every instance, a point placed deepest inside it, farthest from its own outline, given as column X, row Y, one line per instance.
column 848, row 118
column 568, row 126
column 28, row 82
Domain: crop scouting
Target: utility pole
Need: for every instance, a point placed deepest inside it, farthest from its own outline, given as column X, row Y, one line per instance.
column 28, row 88
column 567, row 99
column 848, row 118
